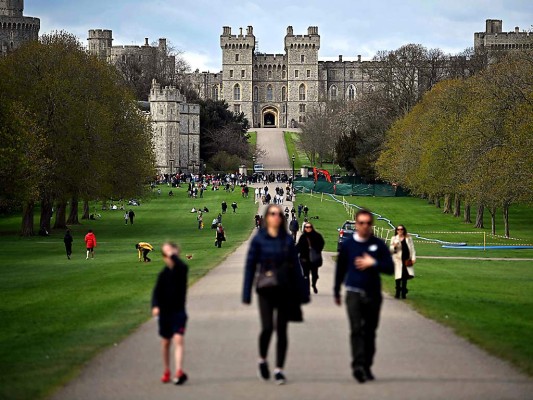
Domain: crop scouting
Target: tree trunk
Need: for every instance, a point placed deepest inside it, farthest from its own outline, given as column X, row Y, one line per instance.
column 467, row 217
column 506, row 219
column 85, row 209
column 431, row 199
column 492, row 211
column 61, row 216
column 27, row 218
column 46, row 215
column 437, row 202
column 457, row 206
column 479, row 216
column 447, row 204
column 73, row 215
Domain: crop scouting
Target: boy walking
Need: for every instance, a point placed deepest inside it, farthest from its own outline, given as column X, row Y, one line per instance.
column 90, row 243
column 361, row 260
column 168, row 304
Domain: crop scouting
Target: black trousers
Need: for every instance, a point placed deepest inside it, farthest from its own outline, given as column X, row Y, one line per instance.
column 401, row 284
column 68, row 248
column 274, row 314
column 363, row 313
column 145, row 255
column 310, row 270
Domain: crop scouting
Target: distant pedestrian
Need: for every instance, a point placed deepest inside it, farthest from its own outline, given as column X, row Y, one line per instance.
column 68, row 243
column 131, row 215
column 272, row 262
column 306, row 211
column 234, row 206
column 143, row 248
column 257, row 195
column 310, row 248
column 361, row 259
column 126, row 218
column 220, row 236
column 404, row 257
column 90, row 243
column 214, row 223
column 300, row 209
column 224, row 207
column 168, row 305
column 200, row 220
column 257, row 221
column 294, row 226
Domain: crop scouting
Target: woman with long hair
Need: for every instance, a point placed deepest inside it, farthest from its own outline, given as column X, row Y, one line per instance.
column 310, row 246
column 272, row 262
column 404, row 257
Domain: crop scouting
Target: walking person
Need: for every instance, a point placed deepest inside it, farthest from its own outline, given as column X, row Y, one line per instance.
column 306, row 211
column 294, row 227
column 234, row 206
column 361, row 259
column 200, row 220
column 310, row 248
column 224, row 206
column 279, row 285
column 220, row 236
column 143, row 248
column 90, row 244
column 300, row 209
column 404, row 257
column 131, row 215
column 168, row 305
column 126, row 217
column 68, row 239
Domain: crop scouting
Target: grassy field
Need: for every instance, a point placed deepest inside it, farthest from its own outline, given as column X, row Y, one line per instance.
column 56, row 314
column 252, row 139
column 300, row 158
column 487, row 302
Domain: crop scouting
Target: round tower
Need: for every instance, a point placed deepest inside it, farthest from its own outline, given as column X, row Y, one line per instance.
column 12, row 8
column 15, row 28
column 100, row 42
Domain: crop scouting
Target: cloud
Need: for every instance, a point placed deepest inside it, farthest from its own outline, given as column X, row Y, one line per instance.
column 202, row 61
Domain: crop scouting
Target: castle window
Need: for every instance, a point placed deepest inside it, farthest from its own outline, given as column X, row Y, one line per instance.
column 237, row 92
column 243, row 73
column 237, row 108
column 269, row 74
column 284, row 74
column 351, row 92
column 351, row 74
column 333, row 92
column 256, row 93
column 255, row 108
column 332, row 74
column 236, row 58
column 269, row 93
column 231, row 73
column 302, row 92
column 309, row 73
column 170, row 147
column 296, row 73
column 284, row 108
column 283, row 93
column 215, row 92
column 302, row 58
column 302, row 108
column 301, row 118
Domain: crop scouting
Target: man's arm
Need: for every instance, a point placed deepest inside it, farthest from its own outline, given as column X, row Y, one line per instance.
column 340, row 272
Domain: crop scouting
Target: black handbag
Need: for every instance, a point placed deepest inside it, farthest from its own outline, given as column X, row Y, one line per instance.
column 315, row 256
column 267, row 279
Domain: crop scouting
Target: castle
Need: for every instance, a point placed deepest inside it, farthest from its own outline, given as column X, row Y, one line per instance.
column 176, row 130
column 276, row 90
column 15, row 28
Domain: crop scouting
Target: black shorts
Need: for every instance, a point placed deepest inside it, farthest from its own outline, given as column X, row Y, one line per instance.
column 90, row 249
column 171, row 324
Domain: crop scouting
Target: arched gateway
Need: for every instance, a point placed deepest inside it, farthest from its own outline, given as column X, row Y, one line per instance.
column 270, row 117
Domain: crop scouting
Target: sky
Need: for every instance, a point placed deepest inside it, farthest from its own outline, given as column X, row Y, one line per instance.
column 347, row 27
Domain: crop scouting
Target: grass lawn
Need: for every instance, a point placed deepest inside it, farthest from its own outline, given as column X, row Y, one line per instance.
column 292, row 140
column 57, row 314
column 487, row 302
column 252, row 139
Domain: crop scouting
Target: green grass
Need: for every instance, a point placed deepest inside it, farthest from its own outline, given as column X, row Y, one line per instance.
column 252, row 139
column 57, row 314
column 292, row 140
column 487, row 302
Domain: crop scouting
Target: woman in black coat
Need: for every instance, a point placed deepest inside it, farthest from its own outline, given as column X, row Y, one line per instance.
column 273, row 264
column 310, row 248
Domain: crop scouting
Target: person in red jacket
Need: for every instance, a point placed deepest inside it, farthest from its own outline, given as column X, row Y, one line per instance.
column 90, row 243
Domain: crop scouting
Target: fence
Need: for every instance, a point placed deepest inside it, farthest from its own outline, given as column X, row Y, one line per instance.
column 349, row 189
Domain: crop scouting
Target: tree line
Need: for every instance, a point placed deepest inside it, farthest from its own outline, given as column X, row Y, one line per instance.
column 70, row 132
column 469, row 141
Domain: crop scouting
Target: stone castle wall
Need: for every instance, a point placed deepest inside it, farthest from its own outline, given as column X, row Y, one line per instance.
column 16, row 29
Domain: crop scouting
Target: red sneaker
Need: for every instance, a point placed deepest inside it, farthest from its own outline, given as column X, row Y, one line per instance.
column 166, row 376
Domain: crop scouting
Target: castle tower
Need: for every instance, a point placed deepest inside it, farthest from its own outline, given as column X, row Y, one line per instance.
column 302, row 73
column 15, row 28
column 237, row 69
column 100, row 42
column 165, row 115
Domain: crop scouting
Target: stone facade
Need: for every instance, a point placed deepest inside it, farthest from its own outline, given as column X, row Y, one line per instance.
column 15, row 28
column 277, row 90
column 494, row 39
column 176, row 130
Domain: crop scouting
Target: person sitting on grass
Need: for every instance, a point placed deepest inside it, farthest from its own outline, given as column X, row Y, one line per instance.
column 143, row 249
column 168, row 305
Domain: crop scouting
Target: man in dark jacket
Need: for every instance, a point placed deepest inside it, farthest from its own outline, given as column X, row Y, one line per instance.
column 294, row 227
column 131, row 214
column 361, row 259
column 68, row 243
column 168, row 305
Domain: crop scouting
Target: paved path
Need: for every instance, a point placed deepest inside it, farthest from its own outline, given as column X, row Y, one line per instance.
column 271, row 140
column 416, row 359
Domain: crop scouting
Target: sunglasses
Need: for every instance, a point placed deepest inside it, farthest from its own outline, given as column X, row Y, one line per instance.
column 364, row 222
column 274, row 213
column 308, row 227
column 400, row 229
